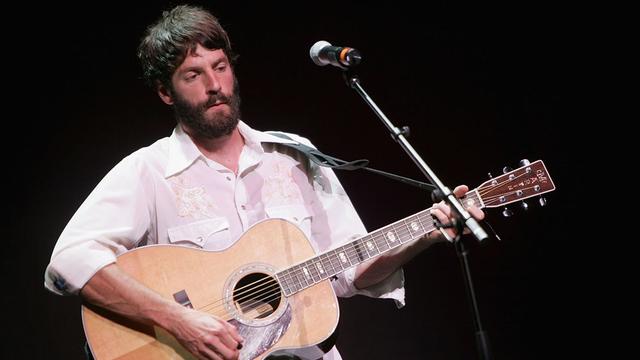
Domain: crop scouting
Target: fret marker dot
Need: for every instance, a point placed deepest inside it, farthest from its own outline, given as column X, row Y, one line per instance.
column 391, row 236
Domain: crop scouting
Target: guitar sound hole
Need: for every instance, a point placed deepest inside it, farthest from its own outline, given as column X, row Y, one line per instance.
column 256, row 295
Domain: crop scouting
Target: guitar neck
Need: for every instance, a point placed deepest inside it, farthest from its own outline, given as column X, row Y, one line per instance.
column 330, row 263
column 527, row 181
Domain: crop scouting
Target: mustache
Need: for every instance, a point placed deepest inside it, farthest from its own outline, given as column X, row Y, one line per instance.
column 213, row 99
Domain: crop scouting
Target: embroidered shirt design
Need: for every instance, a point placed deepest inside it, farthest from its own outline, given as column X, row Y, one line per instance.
column 192, row 201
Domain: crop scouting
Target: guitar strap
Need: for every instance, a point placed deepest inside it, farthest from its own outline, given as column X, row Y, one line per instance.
column 332, row 162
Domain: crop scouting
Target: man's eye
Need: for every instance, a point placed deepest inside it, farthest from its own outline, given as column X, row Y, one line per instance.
column 221, row 68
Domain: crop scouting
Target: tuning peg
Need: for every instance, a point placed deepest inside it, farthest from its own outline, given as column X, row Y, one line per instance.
column 506, row 212
column 524, row 205
column 506, row 169
column 490, row 176
column 524, row 162
column 542, row 201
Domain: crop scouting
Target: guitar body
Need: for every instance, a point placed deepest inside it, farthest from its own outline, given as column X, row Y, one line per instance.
column 221, row 283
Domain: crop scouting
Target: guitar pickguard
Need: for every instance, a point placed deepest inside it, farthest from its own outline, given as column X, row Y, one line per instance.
column 258, row 339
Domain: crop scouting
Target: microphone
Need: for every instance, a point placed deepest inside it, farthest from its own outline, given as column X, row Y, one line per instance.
column 322, row 53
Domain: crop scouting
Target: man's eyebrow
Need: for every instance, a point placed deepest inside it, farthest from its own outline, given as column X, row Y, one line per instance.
column 198, row 67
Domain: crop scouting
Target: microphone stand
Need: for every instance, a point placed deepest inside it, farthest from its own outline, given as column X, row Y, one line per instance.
column 462, row 217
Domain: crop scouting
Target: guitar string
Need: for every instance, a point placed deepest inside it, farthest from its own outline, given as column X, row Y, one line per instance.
column 351, row 252
column 266, row 297
column 500, row 184
column 271, row 289
column 273, row 283
column 256, row 285
column 496, row 198
column 260, row 287
column 252, row 286
column 267, row 283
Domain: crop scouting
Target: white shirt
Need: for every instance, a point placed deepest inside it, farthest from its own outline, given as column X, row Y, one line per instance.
column 169, row 193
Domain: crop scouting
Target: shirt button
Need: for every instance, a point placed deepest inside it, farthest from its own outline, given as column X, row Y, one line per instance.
column 199, row 239
column 229, row 178
column 243, row 207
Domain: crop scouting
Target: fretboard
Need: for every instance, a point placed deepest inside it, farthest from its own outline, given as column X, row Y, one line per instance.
column 330, row 263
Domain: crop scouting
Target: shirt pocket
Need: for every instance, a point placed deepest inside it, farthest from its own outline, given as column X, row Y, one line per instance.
column 296, row 214
column 212, row 234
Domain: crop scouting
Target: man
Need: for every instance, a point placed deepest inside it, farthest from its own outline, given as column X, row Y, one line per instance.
column 203, row 187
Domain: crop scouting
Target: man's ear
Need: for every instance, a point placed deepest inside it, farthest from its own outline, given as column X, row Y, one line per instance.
column 164, row 93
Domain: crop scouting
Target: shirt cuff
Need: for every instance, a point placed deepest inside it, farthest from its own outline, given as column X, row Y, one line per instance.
column 72, row 268
column 390, row 288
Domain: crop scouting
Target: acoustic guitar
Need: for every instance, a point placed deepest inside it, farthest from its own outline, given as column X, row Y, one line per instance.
column 270, row 284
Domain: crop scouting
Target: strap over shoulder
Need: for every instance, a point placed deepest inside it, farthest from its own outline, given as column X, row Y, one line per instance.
column 334, row 163
column 318, row 157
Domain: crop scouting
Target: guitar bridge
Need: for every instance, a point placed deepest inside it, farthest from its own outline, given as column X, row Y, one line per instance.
column 255, row 312
column 182, row 298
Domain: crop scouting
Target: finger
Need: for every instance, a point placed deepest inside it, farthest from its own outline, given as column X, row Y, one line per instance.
column 206, row 353
column 221, row 349
column 440, row 215
column 234, row 333
column 442, row 218
column 460, row 190
column 476, row 212
column 442, row 207
column 228, row 341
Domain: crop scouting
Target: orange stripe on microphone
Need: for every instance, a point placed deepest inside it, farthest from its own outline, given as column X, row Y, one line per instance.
column 343, row 54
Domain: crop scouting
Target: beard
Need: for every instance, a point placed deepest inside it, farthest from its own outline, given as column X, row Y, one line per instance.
column 210, row 126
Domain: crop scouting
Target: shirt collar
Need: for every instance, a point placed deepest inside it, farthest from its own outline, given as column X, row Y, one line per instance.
column 183, row 152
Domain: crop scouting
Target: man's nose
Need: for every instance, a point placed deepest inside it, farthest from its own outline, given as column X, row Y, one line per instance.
column 212, row 83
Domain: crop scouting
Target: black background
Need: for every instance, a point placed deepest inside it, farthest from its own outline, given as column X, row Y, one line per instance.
column 481, row 87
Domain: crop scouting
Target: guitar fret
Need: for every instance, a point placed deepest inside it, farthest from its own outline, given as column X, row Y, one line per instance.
column 397, row 229
column 372, row 247
column 416, row 225
column 361, row 255
column 311, row 270
column 390, row 236
column 328, row 266
column 291, row 285
column 383, row 244
column 402, row 239
column 308, row 272
column 350, row 252
column 282, row 280
column 430, row 225
column 335, row 261
column 409, row 233
column 321, row 265
column 293, row 281
column 315, row 274
column 307, row 275
column 301, row 277
column 340, row 259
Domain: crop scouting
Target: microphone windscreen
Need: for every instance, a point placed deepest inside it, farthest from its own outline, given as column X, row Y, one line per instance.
column 314, row 52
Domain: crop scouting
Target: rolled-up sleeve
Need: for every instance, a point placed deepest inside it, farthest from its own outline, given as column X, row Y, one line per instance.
column 112, row 219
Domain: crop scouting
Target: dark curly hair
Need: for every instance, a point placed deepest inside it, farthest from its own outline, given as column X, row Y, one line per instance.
column 177, row 33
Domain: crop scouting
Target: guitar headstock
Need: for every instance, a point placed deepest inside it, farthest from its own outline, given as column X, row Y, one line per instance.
column 524, row 182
